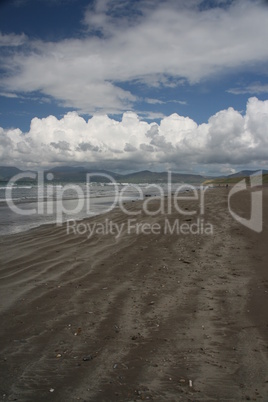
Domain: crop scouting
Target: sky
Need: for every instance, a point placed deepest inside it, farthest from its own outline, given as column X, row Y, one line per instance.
column 128, row 85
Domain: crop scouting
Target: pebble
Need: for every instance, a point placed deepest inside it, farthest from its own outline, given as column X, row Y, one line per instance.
column 87, row 358
column 79, row 330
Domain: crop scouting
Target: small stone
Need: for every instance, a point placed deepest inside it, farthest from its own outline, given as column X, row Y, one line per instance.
column 79, row 330
column 87, row 358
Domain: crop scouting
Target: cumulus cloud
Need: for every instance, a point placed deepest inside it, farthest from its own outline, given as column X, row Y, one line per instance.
column 177, row 142
column 129, row 148
column 158, row 43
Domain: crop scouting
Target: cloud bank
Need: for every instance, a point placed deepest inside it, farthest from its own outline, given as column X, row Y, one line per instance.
column 177, row 142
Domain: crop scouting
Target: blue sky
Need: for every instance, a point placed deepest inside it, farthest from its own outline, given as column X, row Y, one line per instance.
column 88, row 82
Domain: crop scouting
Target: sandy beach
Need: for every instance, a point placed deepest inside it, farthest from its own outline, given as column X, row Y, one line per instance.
column 147, row 316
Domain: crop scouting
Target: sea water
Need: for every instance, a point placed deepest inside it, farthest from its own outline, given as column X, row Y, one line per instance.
column 26, row 206
column 26, row 209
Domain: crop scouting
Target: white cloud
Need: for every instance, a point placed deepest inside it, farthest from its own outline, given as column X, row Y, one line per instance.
column 177, row 142
column 8, row 95
column 163, row 45
column 10, row 40
column 153, row 101
column 255, row 88
column 151, row 115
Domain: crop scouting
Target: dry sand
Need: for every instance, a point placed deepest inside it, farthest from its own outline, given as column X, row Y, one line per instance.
column 142, row 317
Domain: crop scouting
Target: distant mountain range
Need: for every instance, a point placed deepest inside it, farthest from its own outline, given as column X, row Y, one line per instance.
column 79, row 174
column 236, row 177
column 246, row 173
column 6, row 172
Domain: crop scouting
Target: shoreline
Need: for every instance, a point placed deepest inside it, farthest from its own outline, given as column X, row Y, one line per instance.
column 148, row 316
column 53, row 210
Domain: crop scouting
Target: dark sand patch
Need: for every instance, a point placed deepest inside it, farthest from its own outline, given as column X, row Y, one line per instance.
column 147, row 317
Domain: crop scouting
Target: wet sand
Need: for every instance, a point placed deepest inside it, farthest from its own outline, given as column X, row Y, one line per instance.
column 139, row 317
